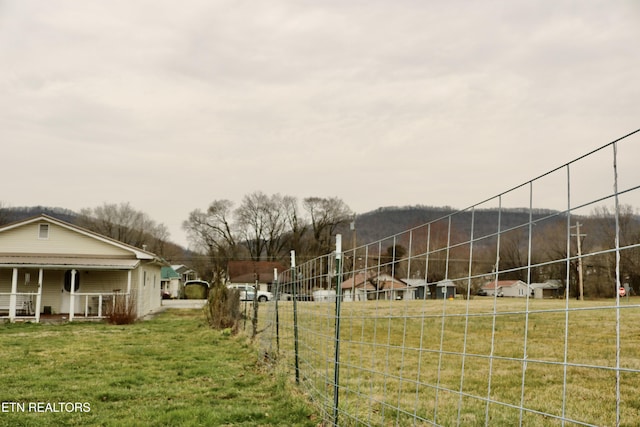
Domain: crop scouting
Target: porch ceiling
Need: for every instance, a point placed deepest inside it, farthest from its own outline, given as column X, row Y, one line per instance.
column 62, row 262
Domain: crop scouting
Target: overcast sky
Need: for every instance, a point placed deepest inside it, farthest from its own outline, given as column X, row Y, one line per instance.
column 170, row 105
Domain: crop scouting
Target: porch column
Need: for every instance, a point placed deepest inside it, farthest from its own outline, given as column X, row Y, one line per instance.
column 126, row 298
column 72, row 293
column 39, row 296
column 13, row 296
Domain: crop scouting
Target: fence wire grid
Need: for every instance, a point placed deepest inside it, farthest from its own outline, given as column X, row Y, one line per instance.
column 519, row 310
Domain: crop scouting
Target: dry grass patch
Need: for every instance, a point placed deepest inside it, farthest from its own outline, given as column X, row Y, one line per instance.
column 442, row 361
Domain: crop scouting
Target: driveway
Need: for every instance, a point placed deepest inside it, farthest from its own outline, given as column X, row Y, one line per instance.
column 183, row 303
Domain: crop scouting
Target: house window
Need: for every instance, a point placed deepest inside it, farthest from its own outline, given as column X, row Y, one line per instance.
column 43, row 231
column 67, row 281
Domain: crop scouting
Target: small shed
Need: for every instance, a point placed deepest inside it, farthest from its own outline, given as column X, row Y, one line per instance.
column 420, row 286
column 548, row 289
column 444, row 289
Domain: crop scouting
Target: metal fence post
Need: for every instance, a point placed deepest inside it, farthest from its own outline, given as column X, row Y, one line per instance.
column 336, row 375
column 277, row 297
column 295, row 315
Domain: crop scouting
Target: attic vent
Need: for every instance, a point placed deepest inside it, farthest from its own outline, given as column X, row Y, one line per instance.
column 43, row 231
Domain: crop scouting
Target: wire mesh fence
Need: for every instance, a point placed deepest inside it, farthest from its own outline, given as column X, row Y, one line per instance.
column 519, row 310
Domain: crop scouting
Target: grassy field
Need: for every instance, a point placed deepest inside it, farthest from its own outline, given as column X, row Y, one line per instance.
column 169, row 371
column 423, row 362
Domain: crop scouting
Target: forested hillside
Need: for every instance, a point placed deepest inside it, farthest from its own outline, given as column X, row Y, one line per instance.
column 541, row 237
column 387, row 221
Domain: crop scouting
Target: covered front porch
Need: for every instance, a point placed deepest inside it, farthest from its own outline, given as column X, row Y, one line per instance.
column 80, row 292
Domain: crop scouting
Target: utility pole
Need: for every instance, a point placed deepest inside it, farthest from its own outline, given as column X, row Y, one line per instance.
column 579, row 246
column 352, row 226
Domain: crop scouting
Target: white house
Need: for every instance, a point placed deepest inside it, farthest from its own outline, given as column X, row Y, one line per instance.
column 48, row 266
column 357, row 288
column 170, row 283
column 362, row 287
column 507, row 288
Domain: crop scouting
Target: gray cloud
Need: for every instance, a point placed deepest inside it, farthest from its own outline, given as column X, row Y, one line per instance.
column 376, row 102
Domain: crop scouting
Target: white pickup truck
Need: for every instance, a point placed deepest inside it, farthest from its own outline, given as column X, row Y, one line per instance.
column 248, row 293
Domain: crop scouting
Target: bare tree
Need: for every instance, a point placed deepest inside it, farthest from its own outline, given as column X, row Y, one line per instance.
column 604, row 229
column 124, row 223
column 4, row 214
column 211, row 232
column 297, row 226
column 326, row 215
column 262, row 225
column 275, row 226
column 265, row 227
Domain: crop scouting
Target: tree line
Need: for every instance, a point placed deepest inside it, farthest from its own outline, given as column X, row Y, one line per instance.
column 261, row 228
column 265, row 228
column 268, row 227
column 545, row 249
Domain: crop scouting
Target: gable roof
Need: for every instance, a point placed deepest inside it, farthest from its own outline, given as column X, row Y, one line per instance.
column 360, row 280
column 167, row 273
column 246, row 271
column 181, row 269
column 115, row 254
column 363, row 281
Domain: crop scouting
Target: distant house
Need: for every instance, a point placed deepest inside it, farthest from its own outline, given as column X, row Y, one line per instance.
column 170, row 283
column 254, row 272
column 394, row 289
column 357, row 288
column 185, row 272
column 48, row 266
column 507, row 288
column 363, row 287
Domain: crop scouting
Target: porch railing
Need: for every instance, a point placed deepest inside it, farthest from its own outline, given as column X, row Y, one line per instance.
column 95, row 304
column 25, row 307
column 89, row 305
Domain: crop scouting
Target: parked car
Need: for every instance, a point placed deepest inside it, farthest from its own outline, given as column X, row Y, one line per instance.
column 248, row 293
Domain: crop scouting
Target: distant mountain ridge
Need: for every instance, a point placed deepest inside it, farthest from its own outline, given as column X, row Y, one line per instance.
column 370, row 226
column 388, row 221
column 13, row 214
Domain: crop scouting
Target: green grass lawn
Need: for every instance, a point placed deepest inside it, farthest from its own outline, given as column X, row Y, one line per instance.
column 169, row 371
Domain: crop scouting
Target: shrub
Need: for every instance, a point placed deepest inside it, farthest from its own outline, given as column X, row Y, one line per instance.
column 223, row 308
column 195, row 291
column 121, row 310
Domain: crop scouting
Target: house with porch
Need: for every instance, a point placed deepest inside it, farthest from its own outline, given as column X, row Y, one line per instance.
column 52, row 267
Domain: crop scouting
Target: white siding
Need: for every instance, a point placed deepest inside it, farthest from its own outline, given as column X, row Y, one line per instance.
column 61, row 241
column 149, row 297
